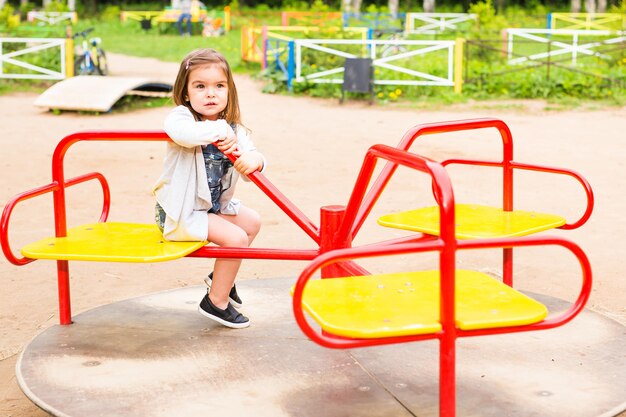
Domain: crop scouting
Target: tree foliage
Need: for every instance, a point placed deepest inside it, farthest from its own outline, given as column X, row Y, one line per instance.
column 93, row 6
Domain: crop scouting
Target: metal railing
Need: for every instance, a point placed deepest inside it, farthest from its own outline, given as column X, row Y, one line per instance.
column 310, row 18
column 416, row 63
column 426, row 63
column 375, row 21
column 413, row 50
column 254, row 40
column 569, row 43
column 51, row 18
column 587, row 21
column 499, row 70
column 172, row 15
column 20, row 49
column 432, row 23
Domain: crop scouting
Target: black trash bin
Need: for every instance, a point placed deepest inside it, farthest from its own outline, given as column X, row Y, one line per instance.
column 146, row 24
column 358, row 77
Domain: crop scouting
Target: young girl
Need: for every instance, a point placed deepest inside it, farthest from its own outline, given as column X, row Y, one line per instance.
column 195, row 192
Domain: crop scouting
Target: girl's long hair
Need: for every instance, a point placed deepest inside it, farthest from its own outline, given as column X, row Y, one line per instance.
column 201, row 57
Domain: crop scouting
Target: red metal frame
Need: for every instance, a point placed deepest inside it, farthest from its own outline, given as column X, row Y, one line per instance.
column 507, row 164
column 338, row 227
column 447, row 245
column 54, row 186
column 325, row 236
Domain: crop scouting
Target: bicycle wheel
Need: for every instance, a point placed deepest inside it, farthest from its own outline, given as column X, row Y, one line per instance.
column 83, row 66
column 102, row 68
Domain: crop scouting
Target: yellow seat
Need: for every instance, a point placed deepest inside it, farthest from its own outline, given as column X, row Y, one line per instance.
column 474, row 221
column 111, row 242
column 400, row 304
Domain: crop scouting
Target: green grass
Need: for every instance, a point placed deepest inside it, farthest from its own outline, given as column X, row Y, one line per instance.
column 10, row 86
column 128, row 38
column 165, row 44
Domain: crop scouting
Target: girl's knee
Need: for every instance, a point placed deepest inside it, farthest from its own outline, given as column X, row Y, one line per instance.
column 250, row 221
column 238, row 239
column 255, row 223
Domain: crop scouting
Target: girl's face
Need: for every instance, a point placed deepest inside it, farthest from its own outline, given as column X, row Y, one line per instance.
column 207, row 88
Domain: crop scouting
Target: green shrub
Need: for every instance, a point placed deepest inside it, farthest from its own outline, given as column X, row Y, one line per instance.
column 25, row 8
column 111, row 13
column 489, row 74
column 619, row 7
column 488, row 24
column 56, row 6
column 8, row 19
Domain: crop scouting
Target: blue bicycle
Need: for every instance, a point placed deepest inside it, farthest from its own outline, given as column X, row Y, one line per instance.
column 89, row 57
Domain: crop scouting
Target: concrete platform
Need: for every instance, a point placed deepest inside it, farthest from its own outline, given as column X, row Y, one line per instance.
column 156, row 356
column 97, row 93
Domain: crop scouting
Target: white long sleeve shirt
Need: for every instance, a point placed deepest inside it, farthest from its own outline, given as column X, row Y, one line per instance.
column 182, row 190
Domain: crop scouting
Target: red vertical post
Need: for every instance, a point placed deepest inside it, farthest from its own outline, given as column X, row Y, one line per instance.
column 63, row 285
column 447, row 376
column 447, row 314
column 330, row 221
column 60, row 227
column 507, row 200
column 507, row 266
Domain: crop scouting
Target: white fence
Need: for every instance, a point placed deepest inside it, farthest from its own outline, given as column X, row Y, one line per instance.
column 51, row 18
column 561, row 47
column 31, row 46
column 588, row 21
column 431, row 23
column 379, row 52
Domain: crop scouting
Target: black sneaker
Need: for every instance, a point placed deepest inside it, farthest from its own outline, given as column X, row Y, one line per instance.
column 232, row 297
column 229, row 317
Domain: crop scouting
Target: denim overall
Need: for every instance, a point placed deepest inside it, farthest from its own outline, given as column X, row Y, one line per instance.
column 219, row 172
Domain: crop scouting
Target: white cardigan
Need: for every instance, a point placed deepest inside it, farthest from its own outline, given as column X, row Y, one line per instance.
column 182, row 190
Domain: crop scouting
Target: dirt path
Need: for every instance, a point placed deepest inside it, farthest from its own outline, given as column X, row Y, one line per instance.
column 315, row 148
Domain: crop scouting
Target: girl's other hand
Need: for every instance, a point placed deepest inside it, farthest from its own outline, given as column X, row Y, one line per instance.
column 248, row 162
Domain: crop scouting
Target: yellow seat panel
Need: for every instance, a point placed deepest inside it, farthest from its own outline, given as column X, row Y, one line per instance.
column 401, row 304
column 111, row 242
column 475, row 221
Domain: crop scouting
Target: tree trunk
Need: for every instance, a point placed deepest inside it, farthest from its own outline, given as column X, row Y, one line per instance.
column 345, row 6
column 429, row 6
column 356, row 6
column 590, row 6
column 575, row 6
column 2, row 2
column 91, row 6
column 393, row 8
column 500, row 5
column 602, row 6
column 71, row 4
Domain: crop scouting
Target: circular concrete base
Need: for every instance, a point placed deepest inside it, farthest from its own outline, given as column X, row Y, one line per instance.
column 156, row 356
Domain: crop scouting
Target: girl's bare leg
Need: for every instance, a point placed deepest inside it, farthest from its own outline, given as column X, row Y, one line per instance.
column 230, row 231
column 248, row 219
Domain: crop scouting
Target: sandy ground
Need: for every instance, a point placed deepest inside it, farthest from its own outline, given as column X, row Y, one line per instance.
column 315, row 148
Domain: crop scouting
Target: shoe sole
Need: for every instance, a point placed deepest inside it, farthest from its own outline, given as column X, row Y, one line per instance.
column 222, row 321
column 233, row 302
